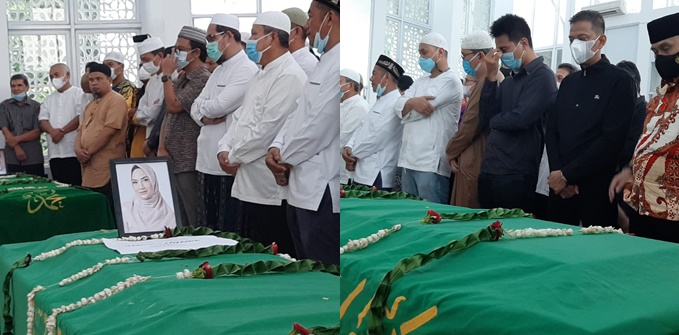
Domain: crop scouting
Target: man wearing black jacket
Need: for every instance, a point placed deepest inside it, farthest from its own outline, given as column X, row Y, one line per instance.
column 587, row 129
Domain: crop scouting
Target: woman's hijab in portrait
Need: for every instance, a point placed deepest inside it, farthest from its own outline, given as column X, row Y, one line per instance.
column 148, row 211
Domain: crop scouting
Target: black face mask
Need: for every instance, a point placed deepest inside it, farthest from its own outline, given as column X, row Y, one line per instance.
column 667, row 66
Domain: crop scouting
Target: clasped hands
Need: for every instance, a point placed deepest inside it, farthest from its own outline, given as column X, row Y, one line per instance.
column 559, row 184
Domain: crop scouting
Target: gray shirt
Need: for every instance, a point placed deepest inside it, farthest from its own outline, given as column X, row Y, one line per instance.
column 20, row 118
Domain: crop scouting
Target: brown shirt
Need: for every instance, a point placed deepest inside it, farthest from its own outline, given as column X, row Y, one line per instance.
column 107, row 112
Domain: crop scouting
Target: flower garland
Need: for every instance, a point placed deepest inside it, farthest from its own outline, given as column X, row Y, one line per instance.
column 600, row 230
column 56, row 252
column 30, row 313
column 530, row 232
column 94, row 269
column 495, row 213
column 101, row 295
column 363, row 243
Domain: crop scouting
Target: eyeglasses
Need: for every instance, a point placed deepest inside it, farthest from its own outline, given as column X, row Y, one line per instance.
column 212, row 38
column 463, row 56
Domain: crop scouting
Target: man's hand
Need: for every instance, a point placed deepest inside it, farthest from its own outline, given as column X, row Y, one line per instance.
column 280, row 171
column 83, row 156
column 168, row 65
column 422, row 105
column 350, row 166
column 569, row 191
column 57, row 135
column 225, row 165
column 21, row 155
column 492, row 61
column 556, row 181
column 131, row 112
column 163, row 153
column 210, row 122
column 346, row 155
column 454, row 166
column 12, row 141
column 619, row 181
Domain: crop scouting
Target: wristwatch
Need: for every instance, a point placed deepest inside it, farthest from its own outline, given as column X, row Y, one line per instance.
column 164, row 78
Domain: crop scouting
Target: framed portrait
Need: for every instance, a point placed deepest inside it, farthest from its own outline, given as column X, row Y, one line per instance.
column 144, row 196
column 3, row 165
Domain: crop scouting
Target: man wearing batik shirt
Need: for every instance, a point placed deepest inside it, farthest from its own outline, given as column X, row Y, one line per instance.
column 652, row 183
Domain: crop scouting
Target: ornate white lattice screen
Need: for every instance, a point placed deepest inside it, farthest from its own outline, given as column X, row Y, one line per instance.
column 407, row 22
column 44, row 32
column 477, row 17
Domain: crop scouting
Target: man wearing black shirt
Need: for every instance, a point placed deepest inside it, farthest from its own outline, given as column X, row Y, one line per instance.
column 587, row 129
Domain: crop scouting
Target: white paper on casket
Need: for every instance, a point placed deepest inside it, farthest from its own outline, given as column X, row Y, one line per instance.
column 172, row 243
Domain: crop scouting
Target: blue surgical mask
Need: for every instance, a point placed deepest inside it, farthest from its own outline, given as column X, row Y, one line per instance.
column 380, row 89
column 467, row 66
column 180, row 56
column 251, row 49
column 342, row 93
column 113, row 73
column 320, row 43
column 427, row 64
column 19, row 97
column 510, row 62
column 213, row 50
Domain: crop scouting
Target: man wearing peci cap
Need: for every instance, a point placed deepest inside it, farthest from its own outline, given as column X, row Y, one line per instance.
column 101, row 135
column 212, row 110
column 300, row 52
column 353, row 109
column 271, row 99
column 372, row 151
column 304, row 153
column 651, row 184
column 134, row 145
column 179, row 133
column 151, row 52
column 431, row 106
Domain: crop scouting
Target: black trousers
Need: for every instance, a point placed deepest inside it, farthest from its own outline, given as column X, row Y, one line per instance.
column 540, row 206
column 107, row 191
column 654, row 228
column 216, row 208
column 34, row 169
column 66, row 170
column 377, row 183
column 507, row 191
column 266, row 224
column 316, row 233
column 592, row 206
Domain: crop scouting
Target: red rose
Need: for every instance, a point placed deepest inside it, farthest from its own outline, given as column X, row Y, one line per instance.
column 497, row 228
column 299, row 330
column 208, row 270
column 168, row 232
column 435, row 217
column 274, row 248
column 374, row 188
column 343, row 194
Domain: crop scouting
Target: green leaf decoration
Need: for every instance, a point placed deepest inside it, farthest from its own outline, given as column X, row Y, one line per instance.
column 263, row 267
column 7, row 307
column 379, row 301
column 364, row 192
column 495, row 213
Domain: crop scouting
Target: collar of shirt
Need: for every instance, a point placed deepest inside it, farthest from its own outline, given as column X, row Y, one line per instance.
column 351, row 100
column 276, row 63
column 30, row 102
column 530, row 67
column 235, row 59
column 330, row 53
column 596, row 67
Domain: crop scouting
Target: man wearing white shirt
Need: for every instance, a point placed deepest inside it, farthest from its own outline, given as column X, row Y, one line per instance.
column 151, row 53
column 272, row 97
column 59, row 118
column 212, row 110
column 305, row 150
column 298, row 48
column 372, row 152
column 353, row 109
column 429, row 111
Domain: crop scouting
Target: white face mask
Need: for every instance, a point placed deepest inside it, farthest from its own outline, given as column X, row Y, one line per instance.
column 466, row 91
column 582, row 50
column 58, row 83
column 151, row 67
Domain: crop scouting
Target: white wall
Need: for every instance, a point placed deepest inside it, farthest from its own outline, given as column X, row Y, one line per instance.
column 165, row 18
column 354, row 53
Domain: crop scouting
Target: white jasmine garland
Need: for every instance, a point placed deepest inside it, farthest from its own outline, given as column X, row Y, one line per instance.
column 600, row 230
column 94, row 269
column 288, row 257
column 530, row 232
column 30, row 313
column 363, row 243
column 186, row 274
column 101, row 295
column 59, row 251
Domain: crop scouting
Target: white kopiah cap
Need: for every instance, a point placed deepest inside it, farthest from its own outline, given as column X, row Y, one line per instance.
column 351, row 74
column 477, row 40
column 151, row 44
column 276, row 20
column 436, row 40
column 226, row 20
column 115, row 56
column 244, row 36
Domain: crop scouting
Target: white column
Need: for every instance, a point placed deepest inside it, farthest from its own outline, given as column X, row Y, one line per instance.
column 377, row 32
column 446, row 19
column 165, row 18
column 499, row 8
column 4, row 59
column 356, row 39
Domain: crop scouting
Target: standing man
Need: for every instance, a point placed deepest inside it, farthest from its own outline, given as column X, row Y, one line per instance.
column 430, row 106
column 562, row 71
column 465, row 150
column 179, row 133
column 242, row 151
column 151, row 52
column 300, row 52
column 372, row 151
column 305, row 150
column 222, row 95
column 101, row 136
column 134, row 145
column 19, row 125
column 515, row 113
column 60, row 118
column 353, row 109
column 587, row 129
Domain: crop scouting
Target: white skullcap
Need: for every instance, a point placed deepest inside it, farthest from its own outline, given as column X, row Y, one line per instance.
column 477, row 40
column 435, row 39
column 351, row 74
column 276, row 20
column 142, row 74
column 244, row 36
column 226, row 20
column 150, row 44
column 296, row 15
column 115, row 56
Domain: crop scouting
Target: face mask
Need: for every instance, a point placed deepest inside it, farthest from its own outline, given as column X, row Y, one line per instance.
column 292, row 39
column 466, row 91
column 510, row 62
column 320, row 43
column 667, row 66
column 380, row 89
column 58, row 83
column 151, row 68
column 252, row 52
column 19, row 97
column 427, row 64
column 582, row 50
column 181, row 59
column 213, row 50
column 342, row 93
column 467, row 66
column 113, row 73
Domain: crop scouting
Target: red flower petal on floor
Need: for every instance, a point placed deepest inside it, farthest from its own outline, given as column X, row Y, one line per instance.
column 343, row 194
column 168, row 232
column 299, row 330
column 274, row 248
column 208, row 270
column 435, row 217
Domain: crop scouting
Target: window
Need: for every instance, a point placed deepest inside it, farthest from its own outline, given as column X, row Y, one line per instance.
column 407, row 22
column 44, row 32
column 547, row 19
column 477, row 17
column 246, row 10
column 664, row 3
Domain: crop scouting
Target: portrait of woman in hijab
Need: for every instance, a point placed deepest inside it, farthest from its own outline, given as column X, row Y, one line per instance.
column 148, row 211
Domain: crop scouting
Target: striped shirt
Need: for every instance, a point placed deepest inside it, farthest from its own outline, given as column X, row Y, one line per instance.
column 21, row 118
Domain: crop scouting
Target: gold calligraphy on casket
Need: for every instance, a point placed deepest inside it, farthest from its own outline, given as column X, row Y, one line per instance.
column 48, row 199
